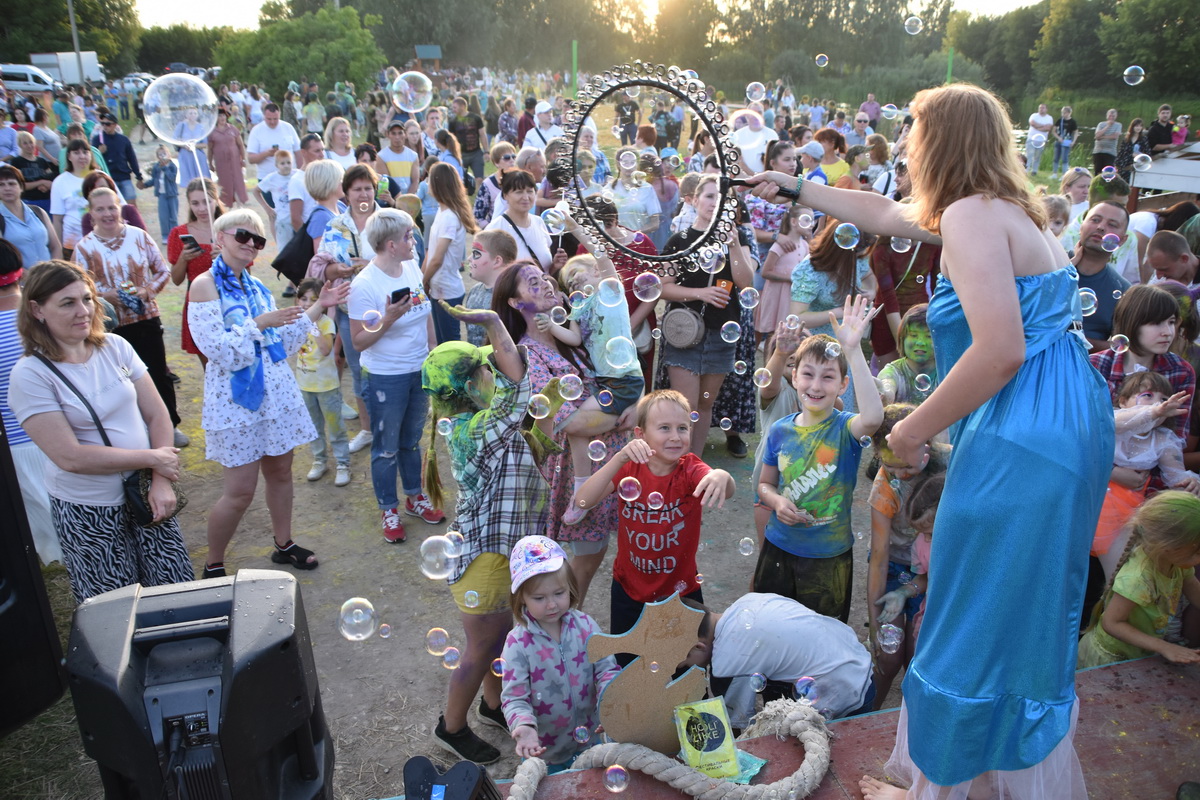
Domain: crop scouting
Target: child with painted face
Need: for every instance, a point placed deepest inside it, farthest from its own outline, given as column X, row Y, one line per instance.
column 810, row 467
column 492, row 252
column 913, row 376
column 665, row 489
column 545, row 658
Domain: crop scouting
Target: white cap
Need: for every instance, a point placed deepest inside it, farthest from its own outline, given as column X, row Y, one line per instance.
column 542, row 108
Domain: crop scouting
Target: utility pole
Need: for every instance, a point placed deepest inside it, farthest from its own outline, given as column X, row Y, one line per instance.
column 75, row 40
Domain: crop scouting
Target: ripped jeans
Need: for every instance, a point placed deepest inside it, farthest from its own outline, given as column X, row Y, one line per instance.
column 397, row 406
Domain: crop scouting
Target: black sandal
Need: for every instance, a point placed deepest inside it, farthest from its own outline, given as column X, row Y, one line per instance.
column 295, row 555
column 214, row 570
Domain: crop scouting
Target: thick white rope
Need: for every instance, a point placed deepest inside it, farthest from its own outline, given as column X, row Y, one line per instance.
column 779, row 718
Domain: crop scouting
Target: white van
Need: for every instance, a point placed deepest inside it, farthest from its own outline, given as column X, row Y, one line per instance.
column 26, row 79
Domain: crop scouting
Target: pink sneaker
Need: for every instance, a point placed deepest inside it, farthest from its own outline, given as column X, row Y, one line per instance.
column 393, row 529
column 423, row 509
column 574, row 514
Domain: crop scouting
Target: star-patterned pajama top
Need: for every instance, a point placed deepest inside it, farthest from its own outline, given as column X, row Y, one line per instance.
column 552, row 685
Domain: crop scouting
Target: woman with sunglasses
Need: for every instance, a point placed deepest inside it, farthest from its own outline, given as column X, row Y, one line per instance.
column 504, row 157
column 253, row 414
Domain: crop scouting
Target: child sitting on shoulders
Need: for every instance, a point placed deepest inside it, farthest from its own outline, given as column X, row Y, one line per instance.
column 810, row 467
column 1058, row 212
column 317, row 376
column 687, row 208
column 545, row 657
column 665, row 489
column 491, row 253
column 913, row 376
column 1158, row 566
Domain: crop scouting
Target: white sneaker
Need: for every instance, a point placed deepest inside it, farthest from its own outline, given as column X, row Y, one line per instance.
column 343, row 475
column 361, row 439
column 319, row 468
column 349, row 411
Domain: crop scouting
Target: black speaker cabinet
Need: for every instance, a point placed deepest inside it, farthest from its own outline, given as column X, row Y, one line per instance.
column 31, row 674
column 203, row 690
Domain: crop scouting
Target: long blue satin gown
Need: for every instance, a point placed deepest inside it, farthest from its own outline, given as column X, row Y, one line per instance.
column 992, row 684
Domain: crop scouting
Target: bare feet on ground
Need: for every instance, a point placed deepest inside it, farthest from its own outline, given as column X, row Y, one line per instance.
column 873, row 789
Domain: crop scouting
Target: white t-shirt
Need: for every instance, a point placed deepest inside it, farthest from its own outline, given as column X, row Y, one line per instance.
column 532, row 242
column 635, row 206
column 1077, row 209
column 1040, row 119
column 447, row 282
column 296, row 191
column 402, row 349
column 1143, row 222
column 106, row 380
column 277, row 185
column 753, row 145
column 347, row 161
column 263, row 137
column 536, row 137
column 66, row 198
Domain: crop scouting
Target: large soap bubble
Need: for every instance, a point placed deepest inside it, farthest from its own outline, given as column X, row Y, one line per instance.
column 180, row 108
column 412, row 92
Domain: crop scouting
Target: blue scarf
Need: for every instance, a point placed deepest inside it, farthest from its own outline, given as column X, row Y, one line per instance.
column 243, row 299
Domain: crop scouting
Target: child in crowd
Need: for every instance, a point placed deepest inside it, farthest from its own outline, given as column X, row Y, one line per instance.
column 491, row 253
column 776, row 296
column 890, row 589
column 687, row 209
column 411, row 205
column 1058, row 212
column 277, row 185
column 545, row 657
column 810, row 466
column 665, row 488
column 317, row 377
column 429, row 204
column 600, row 324
column 483, row 393
column 776, row 400
column 1157, row 567
column 772, row 638
column 901, row 380
column 921, row 508
column 165, row 177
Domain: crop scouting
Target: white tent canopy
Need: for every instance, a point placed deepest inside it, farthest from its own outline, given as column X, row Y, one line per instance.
column 1175, row 171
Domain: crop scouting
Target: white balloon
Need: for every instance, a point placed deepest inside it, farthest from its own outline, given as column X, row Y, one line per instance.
column 180, row 108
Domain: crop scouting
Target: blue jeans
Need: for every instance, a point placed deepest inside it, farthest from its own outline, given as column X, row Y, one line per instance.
column 325, row 409
column 445, row 327
column 1062, row 153
column 168, row 214
column 475, row 161
column 628, row 133
column 128, row 190
column 352, row 359
column 397, row 406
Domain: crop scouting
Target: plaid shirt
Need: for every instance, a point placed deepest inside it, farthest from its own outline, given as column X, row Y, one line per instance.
column 502, row 495
column 1177, row 371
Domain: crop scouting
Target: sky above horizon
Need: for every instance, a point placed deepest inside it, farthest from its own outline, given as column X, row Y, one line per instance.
column 242, row 14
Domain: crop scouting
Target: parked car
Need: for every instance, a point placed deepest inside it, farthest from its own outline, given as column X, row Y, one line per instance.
column 28, row 79
column 134, row 83
column 177, row 66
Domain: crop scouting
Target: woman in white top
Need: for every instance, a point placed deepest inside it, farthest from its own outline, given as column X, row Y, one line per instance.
column 337, row 140
column 103, row 547
column 447, row 248
column 518, row 191
column 253, row 413
column 636, row 201
column 66, row 195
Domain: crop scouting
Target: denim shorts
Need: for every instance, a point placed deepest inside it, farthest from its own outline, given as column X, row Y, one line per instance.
column 713, row 356
column 626, row 391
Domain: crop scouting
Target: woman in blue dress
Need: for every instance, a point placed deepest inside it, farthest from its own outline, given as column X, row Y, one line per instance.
column 190, row 129
column 989, row 701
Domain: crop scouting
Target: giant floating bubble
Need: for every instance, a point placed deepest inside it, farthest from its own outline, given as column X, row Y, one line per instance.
column 412, row 92
column 180, row 108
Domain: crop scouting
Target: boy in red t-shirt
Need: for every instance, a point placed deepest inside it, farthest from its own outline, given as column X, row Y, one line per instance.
column 665, row 489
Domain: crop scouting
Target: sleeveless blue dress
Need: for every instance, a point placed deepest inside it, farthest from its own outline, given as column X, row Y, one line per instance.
column 992, row 684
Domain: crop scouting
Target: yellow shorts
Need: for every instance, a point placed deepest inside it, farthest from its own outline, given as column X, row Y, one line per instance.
column 488, row 579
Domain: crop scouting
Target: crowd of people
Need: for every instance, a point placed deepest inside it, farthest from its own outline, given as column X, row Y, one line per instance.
column 574, row 404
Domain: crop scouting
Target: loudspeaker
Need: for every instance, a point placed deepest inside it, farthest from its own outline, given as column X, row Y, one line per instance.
column 31, row 674
column 204, row 690
column 464, row 781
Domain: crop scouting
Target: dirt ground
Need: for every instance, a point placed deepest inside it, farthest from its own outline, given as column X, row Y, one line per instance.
column 381, row 696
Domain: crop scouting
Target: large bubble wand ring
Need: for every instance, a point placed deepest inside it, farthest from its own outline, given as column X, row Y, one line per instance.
column 182, row 109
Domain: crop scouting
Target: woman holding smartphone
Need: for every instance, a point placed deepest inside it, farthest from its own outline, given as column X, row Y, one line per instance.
column 190, row 249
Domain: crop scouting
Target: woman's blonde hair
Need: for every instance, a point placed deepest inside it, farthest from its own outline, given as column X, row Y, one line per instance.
column 238, row 218
column 962, row 145
column 564, row 574
column 42, row 281
column 333, row 123
column 322, row 178
column 1073, row 176
column 571, row 270
column 101, row 192
column 386, row 224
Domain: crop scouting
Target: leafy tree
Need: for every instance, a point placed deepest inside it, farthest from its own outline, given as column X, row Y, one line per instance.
column 1155, row 35
column 325, row 47
column 193, row 46
column 110, row 27
column 1068, row 54
column 686, row 30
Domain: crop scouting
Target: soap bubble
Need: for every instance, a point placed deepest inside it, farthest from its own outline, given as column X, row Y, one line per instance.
column 556, row 221
column 597, row 450
column 1119, row 343
column 1110, row 242
column 385, row 631
column 455, row 544
column 864, row 441
column 730, row 332
column 673, row 162
column 616, row 779
column 654, row 666
column 582, row 734
column 436, row 562
column 746, row 546
column 471, row 599
column 923, row 383
column 1117, row 294
column 616, row 131
column 627, row 160
column 920, row 279
column 691, row 74
column 356, row 620
column 647, row 287
column 748, row 297
column 558, row 315
column 762, row 377
column 1108, row 173
column 822, row 60
column 633, row 91
column 654, row 501
column 726, row 423
column 694, row 416
column 711, row 260
column 539, row 406
column 620, row 352
column 791, row 322
column 1037, row 139
column 901, row 245
column 656, row 333
column 913, row 26
column 412, row 92
column 805, row 221
column 611, row 292
column 1087, row 302
column 890, row 638
column 758, row 682
column 1142, row 162
column 755, row 92
column 1134, row 75
column 889, row 111
column 570, row 387
column 576, row 299
column 498, row 667
column 451, row 658
column 833, row 350
column 846, row 236
column 372, row 321
column 445, row 426
column 180, row 108
column 629, row 489
column 700, row 578
column 436, row 641
column 739, row 367
column 806, row 690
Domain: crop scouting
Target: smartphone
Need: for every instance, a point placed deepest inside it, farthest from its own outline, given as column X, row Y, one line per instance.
column 189, row 241
column 400, row 294
column 726, row 285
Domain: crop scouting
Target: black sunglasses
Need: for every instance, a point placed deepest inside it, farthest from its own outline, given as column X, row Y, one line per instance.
column 241, row 236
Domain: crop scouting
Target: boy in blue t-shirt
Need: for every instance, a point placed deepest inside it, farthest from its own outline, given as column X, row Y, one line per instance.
column 810, row 466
